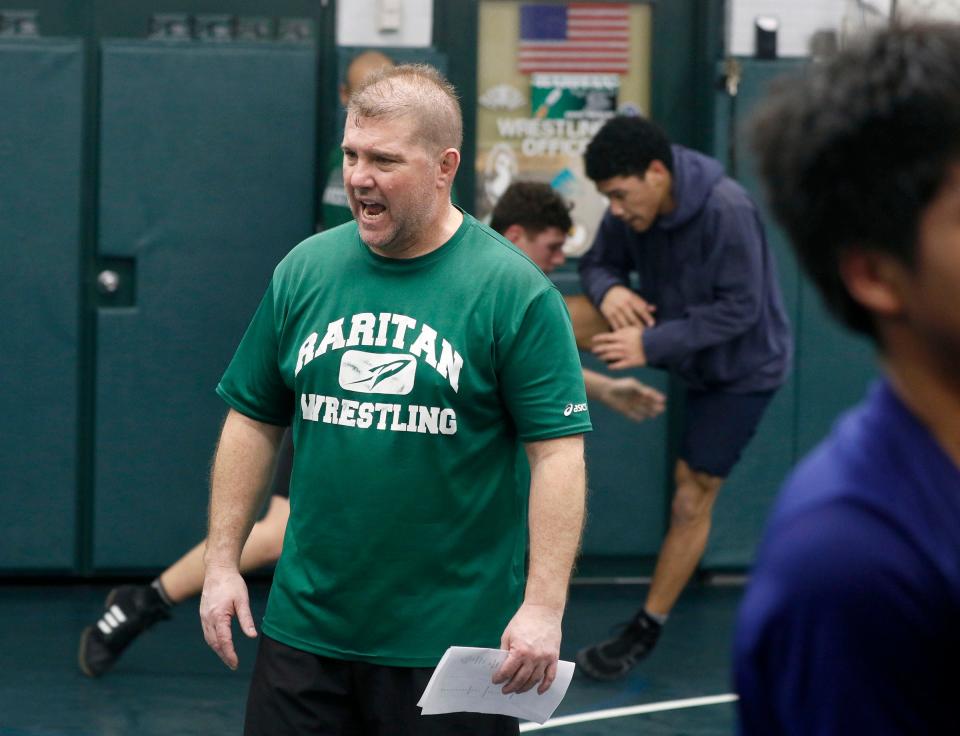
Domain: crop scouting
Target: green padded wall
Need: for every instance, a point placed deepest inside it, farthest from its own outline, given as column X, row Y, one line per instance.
column 41, row 106
column 627, row 467
column 831, row 367
column 745, row 498
column 835, row 367
column 207, row 179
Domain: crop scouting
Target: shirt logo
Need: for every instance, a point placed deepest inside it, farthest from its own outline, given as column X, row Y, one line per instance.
column 573, row 409
column 377, row 373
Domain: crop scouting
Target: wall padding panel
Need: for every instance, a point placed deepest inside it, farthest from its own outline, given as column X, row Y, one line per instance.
column 207, row 180
column 41, row 114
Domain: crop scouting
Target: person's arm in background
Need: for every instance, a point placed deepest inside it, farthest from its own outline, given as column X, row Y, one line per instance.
column 557, row 500
column 605, row 277
column 239, row 483
column 606, row 263
column 738, row 293
column 587, row 320
column 630, row 397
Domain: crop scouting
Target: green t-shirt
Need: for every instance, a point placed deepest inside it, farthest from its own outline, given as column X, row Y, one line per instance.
column 412, row 383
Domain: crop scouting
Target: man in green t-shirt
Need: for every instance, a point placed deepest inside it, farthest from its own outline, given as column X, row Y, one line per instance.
column 413, row 350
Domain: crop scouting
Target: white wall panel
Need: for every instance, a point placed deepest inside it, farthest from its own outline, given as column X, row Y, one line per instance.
column 359, row 23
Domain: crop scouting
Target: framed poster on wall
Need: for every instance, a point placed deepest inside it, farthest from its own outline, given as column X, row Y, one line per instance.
column 549, row 75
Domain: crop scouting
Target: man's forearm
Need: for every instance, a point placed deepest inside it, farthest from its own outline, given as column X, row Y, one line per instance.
column 594, row 383
column 597, row 281
column 703, row 326
column 557, row 499
column 241, row 474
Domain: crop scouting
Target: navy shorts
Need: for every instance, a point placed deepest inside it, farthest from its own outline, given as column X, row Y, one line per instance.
column 295, row 692
column 717, row 426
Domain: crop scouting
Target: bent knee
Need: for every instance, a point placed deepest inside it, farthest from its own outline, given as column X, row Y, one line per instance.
column 693, row 502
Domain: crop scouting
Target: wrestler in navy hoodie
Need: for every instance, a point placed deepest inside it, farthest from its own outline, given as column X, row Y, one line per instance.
column 707, row 267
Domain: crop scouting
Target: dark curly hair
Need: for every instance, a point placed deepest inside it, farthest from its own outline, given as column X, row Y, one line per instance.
column 855, row 150
column 533, row 205
column 626, row 146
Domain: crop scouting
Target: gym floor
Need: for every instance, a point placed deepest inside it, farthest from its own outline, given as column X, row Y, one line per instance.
column 169, row 682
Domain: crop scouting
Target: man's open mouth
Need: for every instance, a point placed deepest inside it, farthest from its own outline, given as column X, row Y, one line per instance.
column 371, row 209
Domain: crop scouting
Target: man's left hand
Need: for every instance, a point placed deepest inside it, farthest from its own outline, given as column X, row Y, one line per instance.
column 620, row 349
column 533, row 640
column 635, row 400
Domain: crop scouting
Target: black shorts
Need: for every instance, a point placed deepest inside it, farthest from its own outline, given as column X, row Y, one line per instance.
column 280, row 486
column 293, row 693
column 717, row 427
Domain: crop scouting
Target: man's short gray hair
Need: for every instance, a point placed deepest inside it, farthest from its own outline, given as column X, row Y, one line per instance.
column 417, row 90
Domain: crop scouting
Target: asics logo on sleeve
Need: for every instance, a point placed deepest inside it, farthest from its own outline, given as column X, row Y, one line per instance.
column 574, row 409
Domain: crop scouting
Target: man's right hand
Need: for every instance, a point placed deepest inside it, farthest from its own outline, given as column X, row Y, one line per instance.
column 225, row 594
column 623, row 307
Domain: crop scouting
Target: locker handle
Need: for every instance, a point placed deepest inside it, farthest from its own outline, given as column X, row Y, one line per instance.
column 116, row 282
column 108, row 281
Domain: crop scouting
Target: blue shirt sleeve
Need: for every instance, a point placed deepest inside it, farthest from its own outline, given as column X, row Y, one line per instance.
column 834, row 628
column 607, row 263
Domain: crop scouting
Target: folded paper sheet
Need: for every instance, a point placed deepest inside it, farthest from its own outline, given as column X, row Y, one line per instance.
column 463, row 682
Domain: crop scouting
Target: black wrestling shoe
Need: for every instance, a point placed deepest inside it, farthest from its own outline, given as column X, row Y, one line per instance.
column 128, row 612
column 614, row 658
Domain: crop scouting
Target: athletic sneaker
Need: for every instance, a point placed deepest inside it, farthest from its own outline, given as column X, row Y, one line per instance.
column 128, row 612
column 613, row 658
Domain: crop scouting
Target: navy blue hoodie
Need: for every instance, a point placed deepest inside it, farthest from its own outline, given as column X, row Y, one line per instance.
column 720, row 321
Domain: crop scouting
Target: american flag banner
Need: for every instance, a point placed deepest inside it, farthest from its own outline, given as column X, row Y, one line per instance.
column 578, row 37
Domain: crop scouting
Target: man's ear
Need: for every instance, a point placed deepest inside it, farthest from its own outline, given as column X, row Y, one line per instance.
column 657, row 167
column 656, row 171
column 449, row 163
column 514, row 233
column 875, row 280
column 657, row 177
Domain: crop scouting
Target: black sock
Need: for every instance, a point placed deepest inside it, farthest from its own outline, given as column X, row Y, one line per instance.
column 655, row 620
column 162, row 596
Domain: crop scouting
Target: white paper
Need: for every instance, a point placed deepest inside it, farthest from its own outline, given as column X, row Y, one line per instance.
column 463, row 682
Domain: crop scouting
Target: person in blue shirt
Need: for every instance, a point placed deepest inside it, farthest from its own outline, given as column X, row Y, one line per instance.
column 708, row 309
column 850, row 622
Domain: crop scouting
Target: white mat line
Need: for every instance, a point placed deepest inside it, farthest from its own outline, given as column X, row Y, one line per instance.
column 633, row 710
